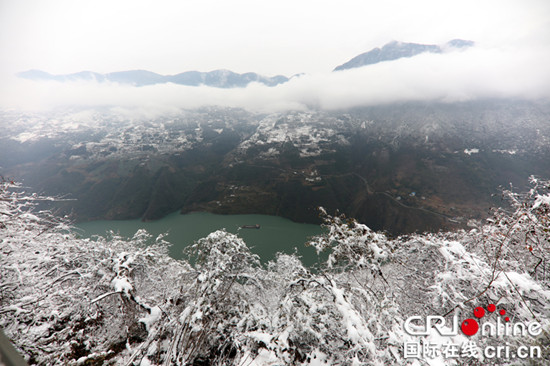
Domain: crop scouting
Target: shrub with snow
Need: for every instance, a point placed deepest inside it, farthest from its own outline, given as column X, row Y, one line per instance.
column 113, row 300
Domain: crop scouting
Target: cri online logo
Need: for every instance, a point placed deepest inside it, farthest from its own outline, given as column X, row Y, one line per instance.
column 471, row 326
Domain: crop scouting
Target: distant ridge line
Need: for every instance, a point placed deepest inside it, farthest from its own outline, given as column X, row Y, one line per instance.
column 216, row 78
column 228, row 79
column 396, row 50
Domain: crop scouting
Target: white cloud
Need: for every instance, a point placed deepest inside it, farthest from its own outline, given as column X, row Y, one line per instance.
column 456, row 76
column 269, row 37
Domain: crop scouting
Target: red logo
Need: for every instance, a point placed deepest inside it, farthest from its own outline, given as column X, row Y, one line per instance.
column 471, row 326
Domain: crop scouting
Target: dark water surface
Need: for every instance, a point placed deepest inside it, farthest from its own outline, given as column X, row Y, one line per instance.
column 276, row 234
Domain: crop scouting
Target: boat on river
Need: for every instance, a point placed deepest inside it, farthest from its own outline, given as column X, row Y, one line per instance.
column 257, row 226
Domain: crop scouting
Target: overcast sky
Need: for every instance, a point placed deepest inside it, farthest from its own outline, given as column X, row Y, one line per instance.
column 282, row 37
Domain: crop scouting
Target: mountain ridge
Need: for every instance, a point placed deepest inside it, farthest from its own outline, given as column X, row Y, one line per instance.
column 223, row 78
column 217, row 78
column 395, row 50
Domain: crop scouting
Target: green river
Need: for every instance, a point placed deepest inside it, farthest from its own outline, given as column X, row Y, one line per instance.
column 276, row 234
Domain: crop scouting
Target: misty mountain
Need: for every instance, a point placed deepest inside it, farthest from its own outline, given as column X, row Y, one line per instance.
column 396, row 50
column 401, row 167
column 216, row 78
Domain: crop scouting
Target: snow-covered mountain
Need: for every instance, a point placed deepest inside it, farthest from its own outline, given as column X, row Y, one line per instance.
column 398, row 168
column 396, row 50
column 216, row 78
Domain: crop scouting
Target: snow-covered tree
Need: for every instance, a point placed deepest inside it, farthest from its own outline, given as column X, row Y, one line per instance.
column 66, row 299
column 114, row 300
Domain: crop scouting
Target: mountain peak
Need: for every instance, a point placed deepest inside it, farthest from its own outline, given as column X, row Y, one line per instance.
column 395, row 50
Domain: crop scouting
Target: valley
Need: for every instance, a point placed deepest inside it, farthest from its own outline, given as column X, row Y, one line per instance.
column 400, row 168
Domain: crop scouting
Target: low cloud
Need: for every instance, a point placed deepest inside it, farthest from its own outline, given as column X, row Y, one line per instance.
column 470, row 74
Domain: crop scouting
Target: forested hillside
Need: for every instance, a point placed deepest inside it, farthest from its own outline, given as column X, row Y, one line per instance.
column 400, row 168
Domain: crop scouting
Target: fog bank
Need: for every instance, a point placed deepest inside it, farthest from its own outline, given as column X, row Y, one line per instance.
column 476, row 73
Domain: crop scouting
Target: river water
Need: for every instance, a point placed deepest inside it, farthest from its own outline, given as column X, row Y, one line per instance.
column 276, row 234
